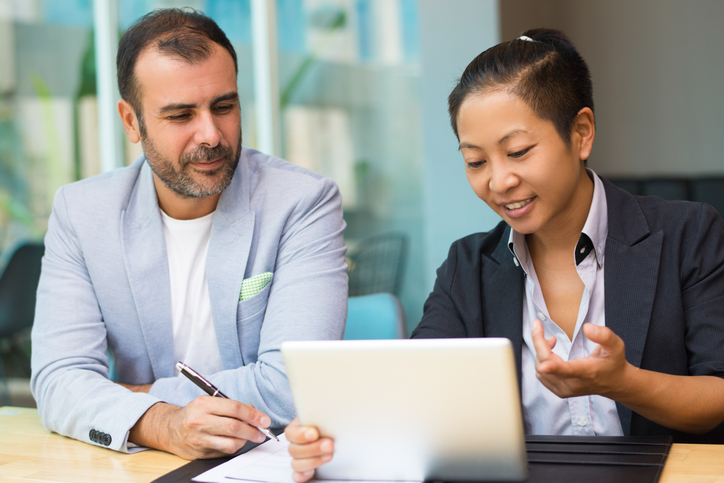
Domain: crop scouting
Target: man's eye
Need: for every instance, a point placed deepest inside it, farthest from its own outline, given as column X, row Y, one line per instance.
column 224, row 108
column 475, row 164
column 178, row 117
column 519, row 154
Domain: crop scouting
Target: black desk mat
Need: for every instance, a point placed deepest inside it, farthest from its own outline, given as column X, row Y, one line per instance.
column 570, row 459
column 196, row 467
column 579, row 459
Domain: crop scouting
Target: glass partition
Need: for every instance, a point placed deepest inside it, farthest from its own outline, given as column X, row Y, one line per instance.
column 349, row 79
column 48, row 118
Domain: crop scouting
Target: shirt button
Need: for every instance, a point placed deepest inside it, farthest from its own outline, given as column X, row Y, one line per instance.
column 515, row 260
column 542, row 316
column 582, row 420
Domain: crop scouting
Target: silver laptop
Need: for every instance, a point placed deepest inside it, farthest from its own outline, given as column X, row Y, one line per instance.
column 410, row 410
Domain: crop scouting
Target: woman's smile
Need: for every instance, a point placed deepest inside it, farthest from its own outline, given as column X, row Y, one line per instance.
column 518, row 208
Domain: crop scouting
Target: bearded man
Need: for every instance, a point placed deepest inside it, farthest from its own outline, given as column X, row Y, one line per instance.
column 201, row 251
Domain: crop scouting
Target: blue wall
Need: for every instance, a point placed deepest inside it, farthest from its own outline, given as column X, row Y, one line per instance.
column 452, row 33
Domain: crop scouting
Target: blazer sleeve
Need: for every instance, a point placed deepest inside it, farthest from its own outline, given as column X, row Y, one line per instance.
column 441, row 317
column 70, row 380
column 307, row 301
column 702, row 290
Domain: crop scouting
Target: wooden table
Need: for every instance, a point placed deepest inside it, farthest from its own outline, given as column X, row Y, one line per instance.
column 29, row 452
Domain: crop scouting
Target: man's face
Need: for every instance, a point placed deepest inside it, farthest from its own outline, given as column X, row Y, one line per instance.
column 191, row 123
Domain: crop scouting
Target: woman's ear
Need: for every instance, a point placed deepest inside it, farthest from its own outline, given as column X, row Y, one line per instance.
column 583, row 132
column 129, row 120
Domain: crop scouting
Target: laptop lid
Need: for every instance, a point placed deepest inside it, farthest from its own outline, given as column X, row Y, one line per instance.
column 436, row 409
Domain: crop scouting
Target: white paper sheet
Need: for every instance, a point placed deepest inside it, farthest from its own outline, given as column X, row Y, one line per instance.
column 267, row 463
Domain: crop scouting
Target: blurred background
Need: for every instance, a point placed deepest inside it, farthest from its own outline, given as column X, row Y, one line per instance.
column 357, row 90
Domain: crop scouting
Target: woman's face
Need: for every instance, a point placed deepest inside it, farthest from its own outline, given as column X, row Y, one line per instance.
column 518, row 164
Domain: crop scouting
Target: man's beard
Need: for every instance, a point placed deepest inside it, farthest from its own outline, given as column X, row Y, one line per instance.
column 179, row 177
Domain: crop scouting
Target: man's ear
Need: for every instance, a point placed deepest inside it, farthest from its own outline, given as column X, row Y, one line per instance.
column 129, row 120
column 584, row 132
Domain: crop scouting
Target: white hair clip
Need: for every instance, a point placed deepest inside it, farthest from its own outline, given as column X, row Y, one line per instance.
column 526, row 38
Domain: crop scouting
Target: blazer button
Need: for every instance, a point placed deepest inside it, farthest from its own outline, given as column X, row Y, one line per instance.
column 93, row 435
column 106, row 439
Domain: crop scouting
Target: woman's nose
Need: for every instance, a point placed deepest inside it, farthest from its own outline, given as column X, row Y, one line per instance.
column 501, row 178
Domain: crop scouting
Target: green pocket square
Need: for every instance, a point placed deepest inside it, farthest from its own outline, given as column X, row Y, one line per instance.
column 254, row 285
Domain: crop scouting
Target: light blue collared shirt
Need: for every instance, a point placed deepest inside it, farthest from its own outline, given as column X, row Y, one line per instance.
column 543, row 411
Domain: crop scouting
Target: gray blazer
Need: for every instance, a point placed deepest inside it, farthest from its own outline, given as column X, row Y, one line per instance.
column 104, row 289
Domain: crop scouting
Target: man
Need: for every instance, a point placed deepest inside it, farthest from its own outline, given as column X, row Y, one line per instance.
column 201, row 251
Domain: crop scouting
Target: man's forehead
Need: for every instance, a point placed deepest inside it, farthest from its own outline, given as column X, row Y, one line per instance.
column 167, row 76
column 153, row 59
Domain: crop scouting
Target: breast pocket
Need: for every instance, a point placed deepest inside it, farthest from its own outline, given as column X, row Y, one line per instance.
column 249, row 317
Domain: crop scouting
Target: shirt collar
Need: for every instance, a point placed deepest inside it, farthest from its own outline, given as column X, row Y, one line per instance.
column 593, row 236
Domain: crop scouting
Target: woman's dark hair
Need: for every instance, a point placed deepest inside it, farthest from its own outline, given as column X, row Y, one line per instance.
column 542, row 68
column 184, row 33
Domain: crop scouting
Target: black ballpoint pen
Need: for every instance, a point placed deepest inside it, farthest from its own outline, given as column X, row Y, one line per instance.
column 212, row 390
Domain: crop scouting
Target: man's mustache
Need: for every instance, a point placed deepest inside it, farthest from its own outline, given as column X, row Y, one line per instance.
column 207, row 154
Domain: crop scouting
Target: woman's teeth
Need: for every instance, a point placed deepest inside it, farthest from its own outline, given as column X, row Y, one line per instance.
column 519, row 204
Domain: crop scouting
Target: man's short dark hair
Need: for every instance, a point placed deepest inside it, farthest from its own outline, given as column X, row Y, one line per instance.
column 184, row 33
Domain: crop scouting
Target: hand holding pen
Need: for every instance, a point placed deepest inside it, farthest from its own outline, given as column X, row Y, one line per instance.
column 212, row 390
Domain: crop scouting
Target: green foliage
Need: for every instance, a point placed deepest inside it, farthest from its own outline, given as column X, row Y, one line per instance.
column 329, row 20
column 13, row 209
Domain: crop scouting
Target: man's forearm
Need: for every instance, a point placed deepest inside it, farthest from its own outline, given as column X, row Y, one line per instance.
column 692, row 404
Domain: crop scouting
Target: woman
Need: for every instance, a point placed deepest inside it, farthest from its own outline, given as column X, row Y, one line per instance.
column 614, row 303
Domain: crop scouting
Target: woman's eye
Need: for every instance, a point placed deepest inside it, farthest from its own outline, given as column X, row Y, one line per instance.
column 475, row 164
column 519, row 154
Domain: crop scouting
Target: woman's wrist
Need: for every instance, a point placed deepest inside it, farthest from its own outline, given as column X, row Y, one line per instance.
column 630, row 386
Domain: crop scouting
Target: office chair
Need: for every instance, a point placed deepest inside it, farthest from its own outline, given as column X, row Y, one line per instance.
column 376, row 316
column 18, row 286
column 378, row 264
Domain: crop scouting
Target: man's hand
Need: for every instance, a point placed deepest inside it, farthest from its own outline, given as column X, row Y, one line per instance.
column 207, row 427
column 604, row 371
column 307, row 449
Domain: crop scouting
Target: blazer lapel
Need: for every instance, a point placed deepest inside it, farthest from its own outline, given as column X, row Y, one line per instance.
column 631, row 275
column 231, row 236
column 146, row 262
column 503, row 286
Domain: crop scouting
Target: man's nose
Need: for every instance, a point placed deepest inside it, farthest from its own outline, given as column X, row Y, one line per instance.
column 207, row 131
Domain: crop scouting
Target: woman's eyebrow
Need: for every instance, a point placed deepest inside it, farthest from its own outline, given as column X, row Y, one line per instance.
column 500, row 141
column 510, row 135
column 468, row 146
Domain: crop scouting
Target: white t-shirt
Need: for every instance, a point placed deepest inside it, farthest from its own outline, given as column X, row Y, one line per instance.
column 194, row 337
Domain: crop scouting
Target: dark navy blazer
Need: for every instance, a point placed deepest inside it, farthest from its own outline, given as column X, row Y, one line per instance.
column 664, row 292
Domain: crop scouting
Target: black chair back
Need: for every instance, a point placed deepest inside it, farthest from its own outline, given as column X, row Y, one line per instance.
column 18, row 286
column 378, row 265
